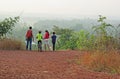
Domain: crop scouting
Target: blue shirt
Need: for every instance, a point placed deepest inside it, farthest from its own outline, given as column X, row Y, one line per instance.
column 54, row 38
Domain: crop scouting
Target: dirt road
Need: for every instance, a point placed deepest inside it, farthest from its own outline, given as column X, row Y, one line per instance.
column 45, row 65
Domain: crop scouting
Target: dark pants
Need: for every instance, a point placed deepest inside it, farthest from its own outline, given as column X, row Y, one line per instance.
column 29, row 44
column 53, row 46
column 40, row 45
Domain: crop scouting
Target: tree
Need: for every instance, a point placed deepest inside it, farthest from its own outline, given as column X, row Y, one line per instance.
column 6, row 26
column 64, row 40
column 103, row 37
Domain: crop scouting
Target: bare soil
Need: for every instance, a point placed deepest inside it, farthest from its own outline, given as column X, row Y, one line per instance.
column 45, row 65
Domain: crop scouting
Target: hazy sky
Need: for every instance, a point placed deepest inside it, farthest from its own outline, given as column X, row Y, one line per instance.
column 75, row 7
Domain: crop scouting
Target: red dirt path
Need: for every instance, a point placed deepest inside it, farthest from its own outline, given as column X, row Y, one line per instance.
column 45, row 65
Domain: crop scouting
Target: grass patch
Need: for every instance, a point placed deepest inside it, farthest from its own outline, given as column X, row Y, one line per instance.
column 101, row 61
column 11, row 44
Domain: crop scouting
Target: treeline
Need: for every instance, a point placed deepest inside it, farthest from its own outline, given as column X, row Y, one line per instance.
column 103, row 36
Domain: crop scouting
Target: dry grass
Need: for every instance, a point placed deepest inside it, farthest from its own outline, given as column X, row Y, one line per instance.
column 11, row 44
column 102, row 61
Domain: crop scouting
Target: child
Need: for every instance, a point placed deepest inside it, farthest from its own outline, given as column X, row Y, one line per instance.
column 53, row 40
column 39, row 39
column 46, row 40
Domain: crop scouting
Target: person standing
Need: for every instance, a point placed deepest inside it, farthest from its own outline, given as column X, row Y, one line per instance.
column 29, row 38
column 46, row 40
column 53, row 40
column 39, row 39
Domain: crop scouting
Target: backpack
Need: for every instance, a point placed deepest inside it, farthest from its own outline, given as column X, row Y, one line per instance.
column 29, row 34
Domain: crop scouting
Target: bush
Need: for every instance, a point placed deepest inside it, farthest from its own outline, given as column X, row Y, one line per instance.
column 102, row 61
column 11, row 44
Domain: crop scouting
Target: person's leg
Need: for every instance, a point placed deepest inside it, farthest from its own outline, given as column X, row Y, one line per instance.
column 30, row 43
column 27, row 44
column 41, row 46
column 38, row 46
column 47, row 44
column 48, row 47
column 53, row 46
column 45, row 47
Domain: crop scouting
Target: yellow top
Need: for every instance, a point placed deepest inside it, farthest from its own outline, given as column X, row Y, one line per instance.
column 39, row 36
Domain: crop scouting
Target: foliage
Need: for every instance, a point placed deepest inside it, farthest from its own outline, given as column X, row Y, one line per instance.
column 104, row 40
column 100, row 39
column 65, row 40
column 116, row 36
column 81, row 39
column 6, row 25
column 68, row 39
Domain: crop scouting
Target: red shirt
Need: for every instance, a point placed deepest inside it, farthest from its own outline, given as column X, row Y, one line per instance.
column 46, row 36
column 29, row 34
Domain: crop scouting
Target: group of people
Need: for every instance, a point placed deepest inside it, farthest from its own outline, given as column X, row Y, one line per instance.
column 39, row 37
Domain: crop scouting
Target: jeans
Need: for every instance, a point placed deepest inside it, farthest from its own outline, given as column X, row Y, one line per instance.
column 53, row 46
column 29, row 43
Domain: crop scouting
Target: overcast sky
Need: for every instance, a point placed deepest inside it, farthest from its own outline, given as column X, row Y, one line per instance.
column 71, row 7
